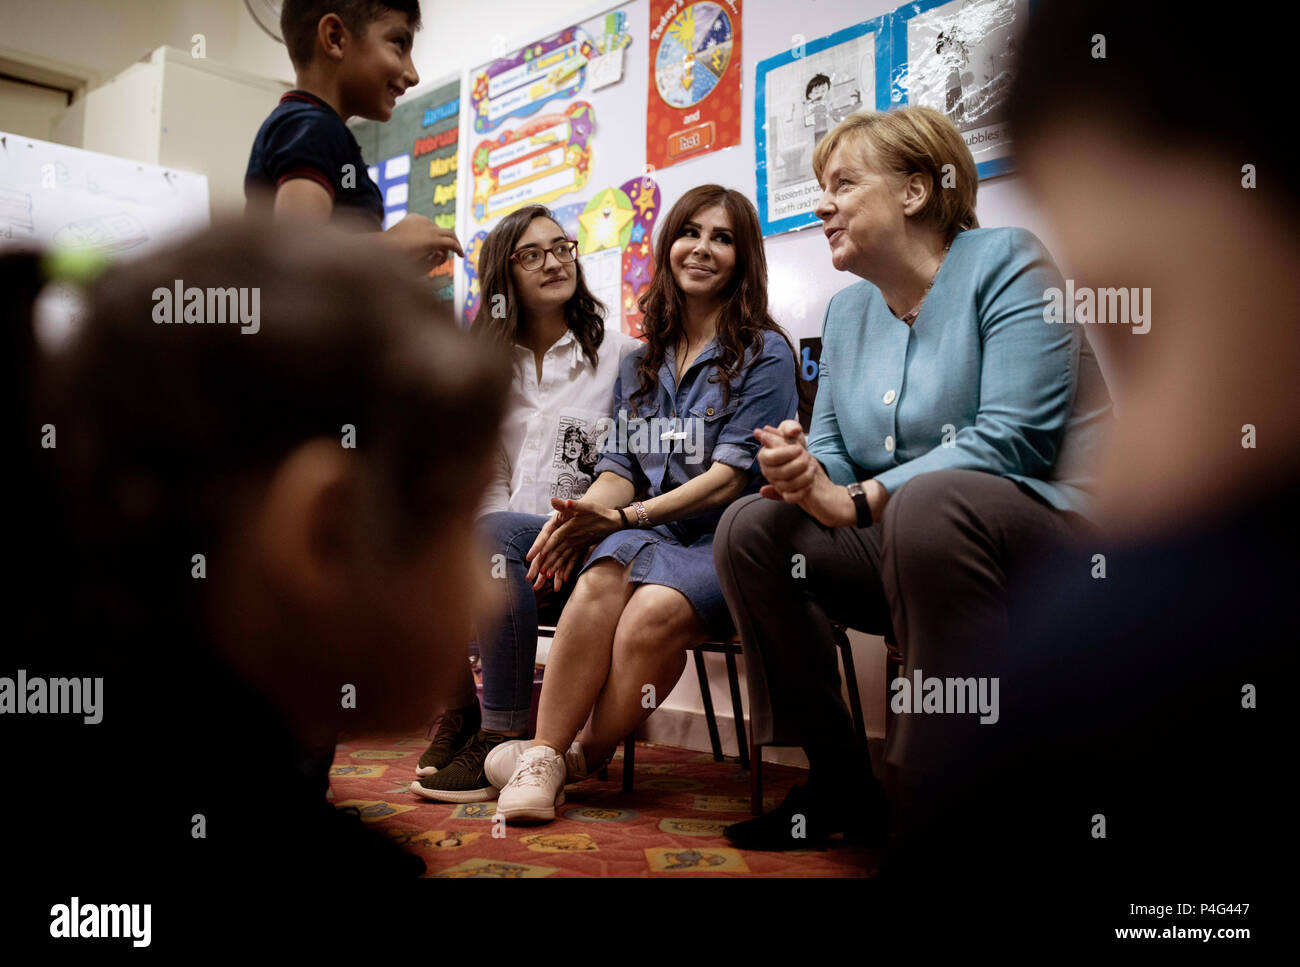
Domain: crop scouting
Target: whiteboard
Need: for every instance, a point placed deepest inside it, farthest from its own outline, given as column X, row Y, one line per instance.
column 52, row 195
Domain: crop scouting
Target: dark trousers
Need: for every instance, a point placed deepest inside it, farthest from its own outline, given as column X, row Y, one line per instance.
column 936, row 570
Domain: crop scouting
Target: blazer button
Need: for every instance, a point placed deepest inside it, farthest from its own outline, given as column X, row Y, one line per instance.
column 889, row 444
column 889, row 397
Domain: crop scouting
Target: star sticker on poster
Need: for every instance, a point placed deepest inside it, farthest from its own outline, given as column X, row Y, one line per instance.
column 604, row 223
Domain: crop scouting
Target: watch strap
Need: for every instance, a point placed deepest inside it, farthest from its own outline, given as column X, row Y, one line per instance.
column 859, row 496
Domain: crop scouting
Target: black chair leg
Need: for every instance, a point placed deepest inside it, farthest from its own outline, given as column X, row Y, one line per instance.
column 629, row 757
column 737, row 710
column 709, row 717
column 851, row 680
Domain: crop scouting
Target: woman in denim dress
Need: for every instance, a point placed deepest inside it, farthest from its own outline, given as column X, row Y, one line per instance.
column 680, row 448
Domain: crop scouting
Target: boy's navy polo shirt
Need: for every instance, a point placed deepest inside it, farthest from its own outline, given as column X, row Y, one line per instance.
column 305, row 138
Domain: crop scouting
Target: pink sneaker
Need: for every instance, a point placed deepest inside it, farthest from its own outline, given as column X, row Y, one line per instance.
column 535, row 788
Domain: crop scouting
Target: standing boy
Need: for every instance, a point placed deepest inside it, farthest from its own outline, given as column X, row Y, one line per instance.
column 351, row 57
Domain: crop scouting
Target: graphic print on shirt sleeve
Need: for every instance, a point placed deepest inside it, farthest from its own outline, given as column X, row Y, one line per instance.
column 577, row 448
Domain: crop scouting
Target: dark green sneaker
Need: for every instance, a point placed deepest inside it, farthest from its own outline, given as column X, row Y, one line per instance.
column 462, row 780
column 456, row 726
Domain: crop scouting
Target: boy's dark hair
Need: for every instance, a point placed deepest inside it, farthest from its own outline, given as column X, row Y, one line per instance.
column 818, row 80
column 298, row 20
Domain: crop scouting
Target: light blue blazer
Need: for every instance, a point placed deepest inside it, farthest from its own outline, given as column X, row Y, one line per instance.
column 979, row 381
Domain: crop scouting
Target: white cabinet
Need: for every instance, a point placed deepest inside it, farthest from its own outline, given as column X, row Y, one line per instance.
column 177, row 111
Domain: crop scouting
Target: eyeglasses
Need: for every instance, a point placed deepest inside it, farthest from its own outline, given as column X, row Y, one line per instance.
column 530, row 258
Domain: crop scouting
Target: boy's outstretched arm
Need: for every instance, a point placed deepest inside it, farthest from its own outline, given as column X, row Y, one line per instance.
column 415, row 237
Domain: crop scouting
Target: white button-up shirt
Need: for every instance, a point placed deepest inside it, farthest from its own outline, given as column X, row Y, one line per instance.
column 550, row 436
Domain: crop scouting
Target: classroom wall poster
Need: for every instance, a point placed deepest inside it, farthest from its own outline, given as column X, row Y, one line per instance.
column 542, row 159
column 957, row 56
column 799, row 95
column 540, row 111
column 693, row 95
column 413, row 158
column 614, row 233
column 519, row 84
column 613, row 229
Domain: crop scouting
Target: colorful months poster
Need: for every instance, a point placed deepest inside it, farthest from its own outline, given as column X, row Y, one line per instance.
column 693, row 96
column 413, row 158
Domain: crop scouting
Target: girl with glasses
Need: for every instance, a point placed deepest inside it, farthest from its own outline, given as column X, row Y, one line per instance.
column 535, row 307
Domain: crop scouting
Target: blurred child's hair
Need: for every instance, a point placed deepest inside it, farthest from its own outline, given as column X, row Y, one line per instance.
column 583, row 313
column 165, row 429
column 1115, row 63
column 298, row 20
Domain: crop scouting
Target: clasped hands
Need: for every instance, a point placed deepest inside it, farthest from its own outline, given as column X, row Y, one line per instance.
column 566, row 539
column 796, row 477
column 793, row 476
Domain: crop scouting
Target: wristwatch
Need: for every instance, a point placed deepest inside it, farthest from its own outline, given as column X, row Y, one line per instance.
column 859, row 496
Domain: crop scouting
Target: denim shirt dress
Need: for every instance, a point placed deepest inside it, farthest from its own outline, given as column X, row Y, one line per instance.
column 680, row 554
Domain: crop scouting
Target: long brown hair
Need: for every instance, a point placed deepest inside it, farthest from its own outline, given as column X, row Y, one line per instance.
column 583, row 313
column 744, row 316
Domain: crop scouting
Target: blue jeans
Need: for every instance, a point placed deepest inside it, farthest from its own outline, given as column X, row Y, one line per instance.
column 507, row 642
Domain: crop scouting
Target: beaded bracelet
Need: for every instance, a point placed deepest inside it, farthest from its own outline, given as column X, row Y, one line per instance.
column 643, row 517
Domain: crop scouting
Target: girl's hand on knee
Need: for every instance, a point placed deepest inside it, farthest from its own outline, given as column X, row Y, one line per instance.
column 534, row 567
column 573, row 561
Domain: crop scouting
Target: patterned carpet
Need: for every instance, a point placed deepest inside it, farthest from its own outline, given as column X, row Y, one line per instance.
column 671, row 825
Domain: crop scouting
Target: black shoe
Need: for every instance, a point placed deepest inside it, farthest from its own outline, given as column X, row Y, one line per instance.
column 806, row 820
column 462, row 780
column 456, row 727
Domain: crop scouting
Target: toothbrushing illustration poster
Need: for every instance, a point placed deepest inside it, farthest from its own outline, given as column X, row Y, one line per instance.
column 958, row 57
column 799, row 95
column 693, row 96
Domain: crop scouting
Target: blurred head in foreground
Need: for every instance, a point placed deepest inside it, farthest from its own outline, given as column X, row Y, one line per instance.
column 1190, row 196
column 324, row 459
column 1131, row 756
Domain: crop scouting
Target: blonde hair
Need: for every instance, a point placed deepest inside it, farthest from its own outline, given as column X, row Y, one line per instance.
column 915, row 140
